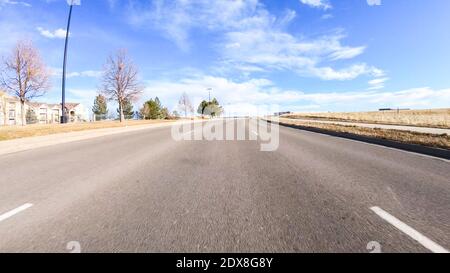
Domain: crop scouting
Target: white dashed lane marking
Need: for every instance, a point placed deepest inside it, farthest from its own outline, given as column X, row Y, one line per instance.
column 414, row 234
column 14, row 211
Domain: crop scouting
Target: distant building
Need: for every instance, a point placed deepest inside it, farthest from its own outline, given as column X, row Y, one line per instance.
column 46, row 113
column 281, row 113
column 391, row 109
column 9, row 109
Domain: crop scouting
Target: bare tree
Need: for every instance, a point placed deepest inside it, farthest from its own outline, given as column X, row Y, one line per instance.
column 25, row 75
column 185, row 104
column 120, row 80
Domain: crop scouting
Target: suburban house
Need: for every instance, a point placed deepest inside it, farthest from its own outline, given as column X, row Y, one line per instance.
column 45, row 113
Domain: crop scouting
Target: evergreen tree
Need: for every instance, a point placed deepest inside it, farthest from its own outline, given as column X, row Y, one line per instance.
column 31, row 117
column 216, row 109
column 175, row 114
column 211, row 108
column 158, row 102
column 100, row 107
column 151, row 109
column 202, row 107
column 165, row 114
column 128, row 111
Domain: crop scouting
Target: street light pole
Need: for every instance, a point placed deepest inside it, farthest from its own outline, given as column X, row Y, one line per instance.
column 64, row 118
column 209, row 90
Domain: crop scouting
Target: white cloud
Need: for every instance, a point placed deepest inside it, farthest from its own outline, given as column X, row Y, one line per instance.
column 411, row 98
column 251, row 39
column 11, row 2
column 178, row 18
column 87, row 73
column 378, row 81
column 57, row 72
column 272, row 49
column 376, row 84
column 323, row 4
column 288, row 17
column 256, row 92
column 56, row 34
column 342, row 53
column 350, row 73
column 374, row 2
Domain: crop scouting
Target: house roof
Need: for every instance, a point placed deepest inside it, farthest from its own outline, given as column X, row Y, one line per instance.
column 35, row 104
column 69, row 106
column 4, row 94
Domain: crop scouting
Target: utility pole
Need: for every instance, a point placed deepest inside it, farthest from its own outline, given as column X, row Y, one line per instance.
column 64, row 118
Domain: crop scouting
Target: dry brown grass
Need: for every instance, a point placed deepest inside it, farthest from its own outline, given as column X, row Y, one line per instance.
column 437, row 118
column 13, row 132
column 430, row 140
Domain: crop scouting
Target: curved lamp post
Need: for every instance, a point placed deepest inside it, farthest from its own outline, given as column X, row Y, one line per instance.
column 64, row 118
column 209, row 91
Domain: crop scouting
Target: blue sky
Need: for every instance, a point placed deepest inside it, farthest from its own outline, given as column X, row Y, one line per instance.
column 304, row 55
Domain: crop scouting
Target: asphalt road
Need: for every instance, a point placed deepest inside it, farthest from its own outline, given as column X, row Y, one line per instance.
column 144, row 192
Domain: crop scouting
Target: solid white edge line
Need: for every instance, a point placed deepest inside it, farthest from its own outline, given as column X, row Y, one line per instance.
column 414, row 234
column 15, row 211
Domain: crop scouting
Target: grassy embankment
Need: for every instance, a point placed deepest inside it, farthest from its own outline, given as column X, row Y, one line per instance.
column 13, row 132
column 438, row 118
column 435, row 118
